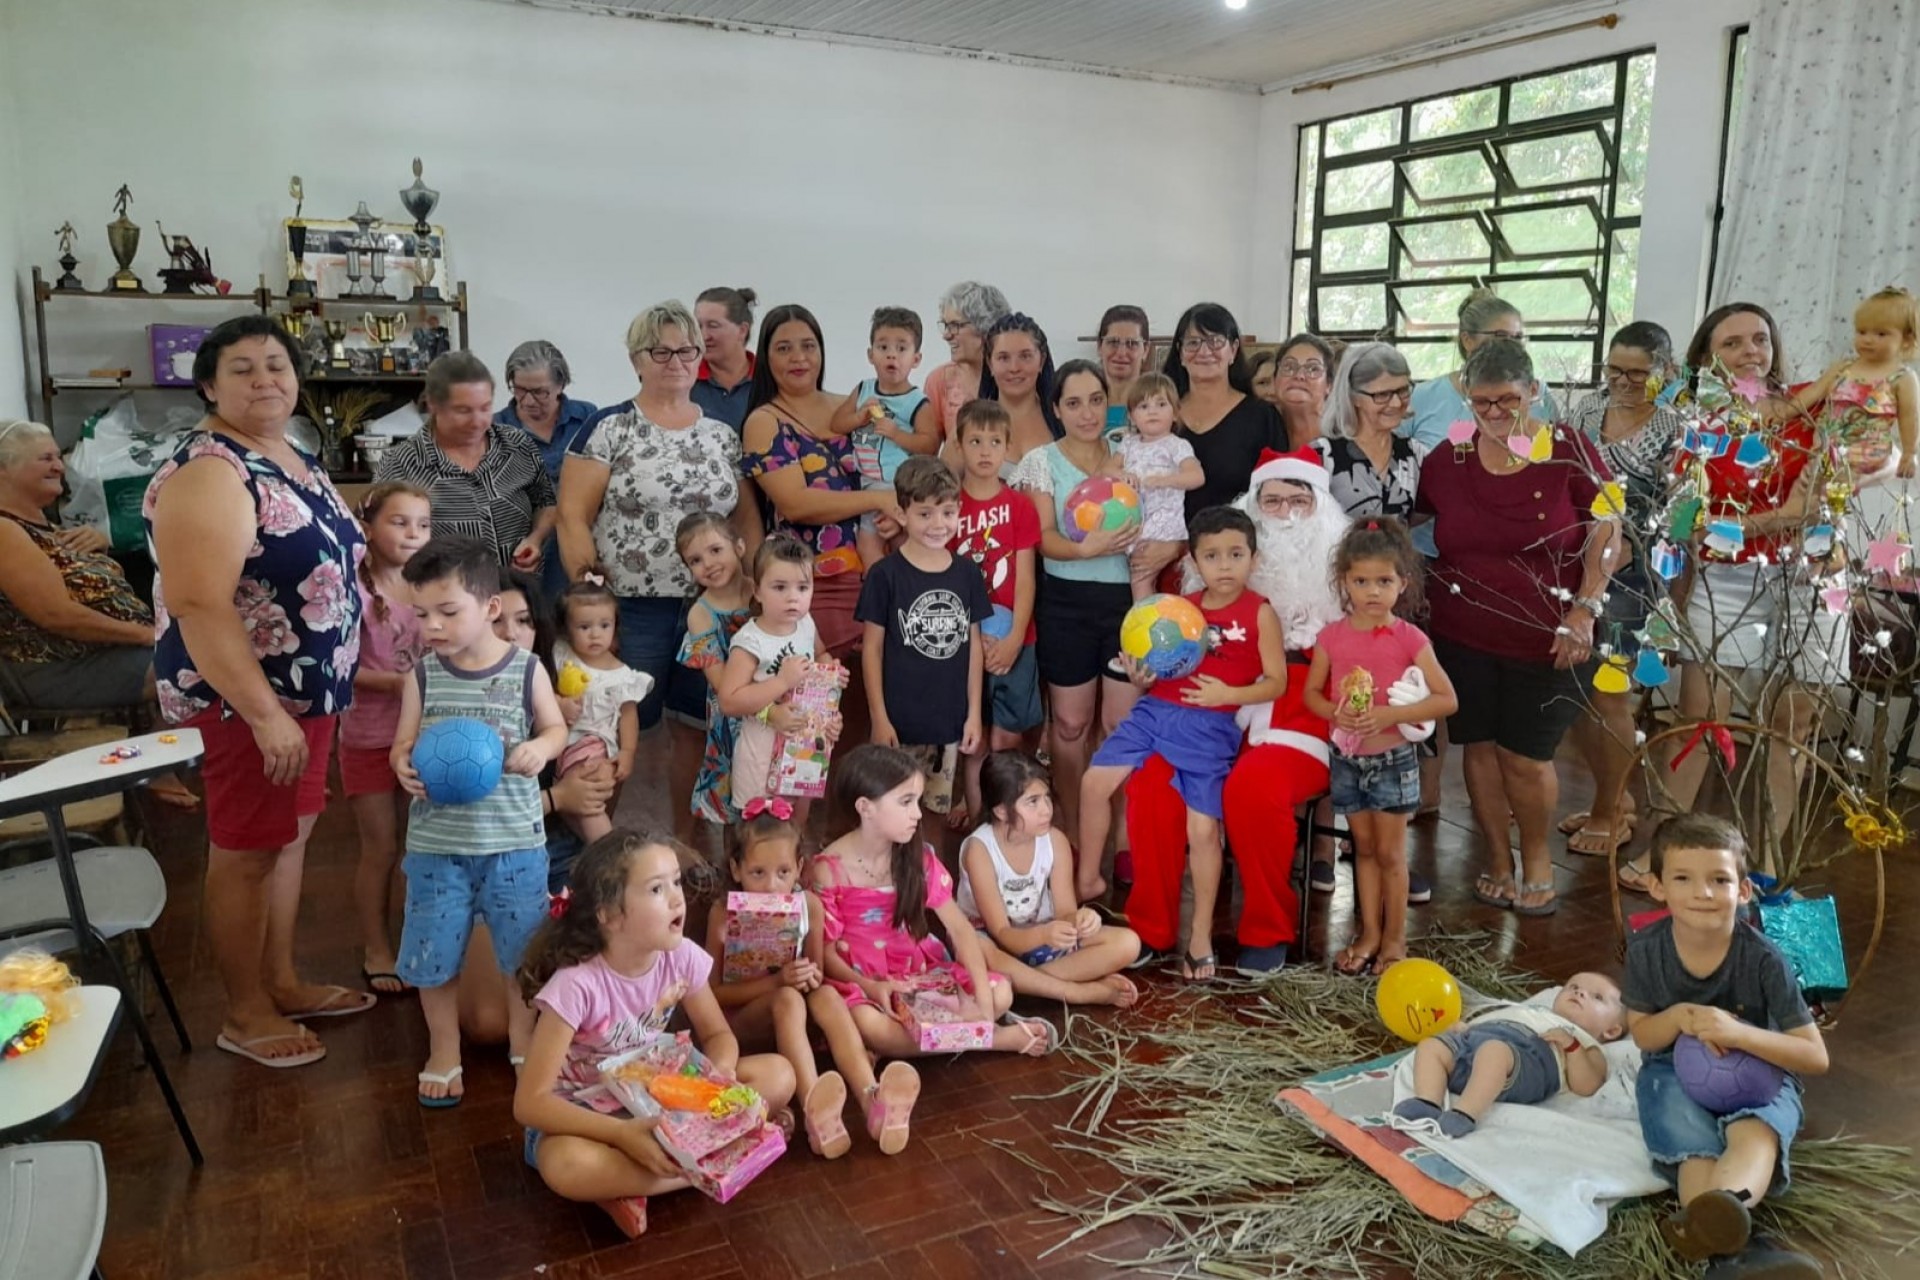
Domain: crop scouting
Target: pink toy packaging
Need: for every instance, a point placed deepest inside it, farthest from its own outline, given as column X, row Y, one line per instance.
column 930, row 1011
column 764, row 933
column 800, row 759
column 722, row 1146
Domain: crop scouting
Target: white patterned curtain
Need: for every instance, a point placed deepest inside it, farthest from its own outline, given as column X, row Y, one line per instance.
column 1823, row 192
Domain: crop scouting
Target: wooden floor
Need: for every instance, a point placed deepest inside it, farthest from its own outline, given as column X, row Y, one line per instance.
column 334, row 1171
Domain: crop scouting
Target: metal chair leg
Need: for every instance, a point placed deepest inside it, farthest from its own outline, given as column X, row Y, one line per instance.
column 165, row 992
column 149, row 1049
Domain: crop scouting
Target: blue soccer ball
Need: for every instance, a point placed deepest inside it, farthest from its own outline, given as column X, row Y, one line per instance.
column 459, row 760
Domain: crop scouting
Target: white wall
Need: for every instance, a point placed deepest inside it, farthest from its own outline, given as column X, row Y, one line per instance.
column 13, row 373
column 1683, row 163
column 590, row 165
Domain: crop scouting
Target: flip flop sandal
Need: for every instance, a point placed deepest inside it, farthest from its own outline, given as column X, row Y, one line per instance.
column 356, row 1002
column 826, row 1131
column 1546, row 908
column 1048, row 1033
column 1635, row 880
column 890, row 1106
column 370, row 977
column 248, row 1049
column 628, row 1214
column 443, row 1078
column 1483, row 894
column 1713, row 1224
column 1597, row 839
column 1354, row 964
column 1149, row 957
column 1190, row 967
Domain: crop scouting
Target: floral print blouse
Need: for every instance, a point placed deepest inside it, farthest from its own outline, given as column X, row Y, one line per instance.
column 297, row 592
column 92, row 578
column 826, row 464
column 1361, row 489
column 656, row 477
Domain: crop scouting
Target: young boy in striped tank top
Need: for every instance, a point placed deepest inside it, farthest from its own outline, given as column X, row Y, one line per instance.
column 487, row 857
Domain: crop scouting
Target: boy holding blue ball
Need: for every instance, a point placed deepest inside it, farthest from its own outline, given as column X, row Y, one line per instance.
column 485, row 856
column 1705, row 972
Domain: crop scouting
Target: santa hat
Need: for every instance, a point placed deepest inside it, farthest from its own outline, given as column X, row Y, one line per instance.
column 1302, row 466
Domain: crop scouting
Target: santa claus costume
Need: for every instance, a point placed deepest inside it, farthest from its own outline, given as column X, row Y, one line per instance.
column 1283, row 763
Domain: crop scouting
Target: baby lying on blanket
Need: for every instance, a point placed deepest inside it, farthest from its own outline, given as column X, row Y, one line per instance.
column 1516, row 1053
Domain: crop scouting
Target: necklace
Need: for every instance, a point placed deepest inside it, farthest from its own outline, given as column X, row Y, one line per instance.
column 865, row 863
column 1074, row 450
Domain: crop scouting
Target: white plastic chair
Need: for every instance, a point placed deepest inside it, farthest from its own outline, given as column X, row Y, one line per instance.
column 53, row 1210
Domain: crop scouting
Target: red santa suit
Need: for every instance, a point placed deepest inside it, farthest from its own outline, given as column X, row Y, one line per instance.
column 1282, row 765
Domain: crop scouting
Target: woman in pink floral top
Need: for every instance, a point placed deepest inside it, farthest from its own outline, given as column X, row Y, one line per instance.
column 259, row 631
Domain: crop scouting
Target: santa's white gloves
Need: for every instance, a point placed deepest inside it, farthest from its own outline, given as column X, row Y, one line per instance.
column 1404, row 692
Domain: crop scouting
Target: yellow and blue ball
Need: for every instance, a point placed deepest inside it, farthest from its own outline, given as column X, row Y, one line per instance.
column 1165, row 634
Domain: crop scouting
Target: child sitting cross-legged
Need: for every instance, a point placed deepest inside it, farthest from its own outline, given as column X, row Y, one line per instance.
column 1016, row 886
column 1518, row 1053
column 774, row 1006
column 1705, row 972
column 606, row 974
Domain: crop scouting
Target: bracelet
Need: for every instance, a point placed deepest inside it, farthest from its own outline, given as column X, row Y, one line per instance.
column 1595, row 605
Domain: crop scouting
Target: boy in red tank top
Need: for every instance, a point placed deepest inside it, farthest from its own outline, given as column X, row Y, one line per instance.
column 1189, row 722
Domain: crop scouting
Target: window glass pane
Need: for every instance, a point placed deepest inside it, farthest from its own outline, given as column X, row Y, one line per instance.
column 1363, row 133
column 1560, row 365
column 1635, row 127
column 1456, row 113
column 1302, row 289
column 1449, row 177
column 1579, row 89
column 1430, row 308
column 1455, row 241
column 1430, row 359
column 1309, row 184
column 1552, row 161
column 1557, row 229
column 1362, row 248
column 1552, row 305
column 1622, row 278
column 1360, row 188
column 1354, row 308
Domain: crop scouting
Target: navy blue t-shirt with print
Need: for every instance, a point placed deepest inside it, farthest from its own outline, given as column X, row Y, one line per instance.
column 929, row 618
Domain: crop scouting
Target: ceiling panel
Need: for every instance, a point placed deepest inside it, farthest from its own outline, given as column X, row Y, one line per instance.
column 1268, row 41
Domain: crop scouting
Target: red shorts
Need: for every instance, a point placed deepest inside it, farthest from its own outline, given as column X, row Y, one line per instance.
column 367, row 771
column 245, row 811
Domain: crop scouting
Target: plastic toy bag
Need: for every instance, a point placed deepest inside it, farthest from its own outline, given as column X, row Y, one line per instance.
column 109, row 469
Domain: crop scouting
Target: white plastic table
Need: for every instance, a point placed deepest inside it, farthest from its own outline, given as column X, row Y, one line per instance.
column 41, row 1090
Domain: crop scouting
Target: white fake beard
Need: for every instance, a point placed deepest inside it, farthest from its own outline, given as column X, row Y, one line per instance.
column 1293, row 570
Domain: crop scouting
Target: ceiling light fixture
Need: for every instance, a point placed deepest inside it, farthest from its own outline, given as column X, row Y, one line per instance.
column 1236, row 5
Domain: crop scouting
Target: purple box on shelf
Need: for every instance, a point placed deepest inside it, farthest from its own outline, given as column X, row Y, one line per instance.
column 173, row 347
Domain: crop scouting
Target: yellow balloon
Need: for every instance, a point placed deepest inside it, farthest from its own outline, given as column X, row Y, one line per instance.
column 1417, row 999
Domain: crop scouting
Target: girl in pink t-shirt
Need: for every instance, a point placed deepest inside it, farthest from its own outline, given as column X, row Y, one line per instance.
column 398, row 520
column 604, row 975
column 1374, row 774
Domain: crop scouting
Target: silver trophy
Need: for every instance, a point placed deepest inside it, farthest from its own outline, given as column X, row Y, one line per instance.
column 419, row 200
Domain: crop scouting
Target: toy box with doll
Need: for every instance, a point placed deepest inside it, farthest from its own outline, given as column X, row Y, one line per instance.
column 713, row 1127
column 800, row 758
column 931, row 1010
column 764, row 933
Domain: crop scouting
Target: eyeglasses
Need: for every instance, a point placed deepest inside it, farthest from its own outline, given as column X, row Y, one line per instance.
column 1511, row 335
column 1381, row 399
column 1122, row 344
column 666, row 355
column 1632, row 377
column 1207, row 342
column 950, row 327
column 535, row 395
column 1505, row 406
column 1279, row 504
column 1294, row 369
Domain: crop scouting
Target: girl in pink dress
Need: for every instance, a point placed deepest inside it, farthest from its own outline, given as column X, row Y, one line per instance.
column 877, row 886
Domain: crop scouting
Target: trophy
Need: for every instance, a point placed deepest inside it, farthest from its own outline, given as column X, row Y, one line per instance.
column 382, row 330
column 419, row 200
column 337, row 344
column 306, row 333
column 68, row 281
column 123, row 237
column 298, row 286
column 359, row 251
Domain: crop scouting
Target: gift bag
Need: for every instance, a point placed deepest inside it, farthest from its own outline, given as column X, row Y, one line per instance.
column 1807, row 931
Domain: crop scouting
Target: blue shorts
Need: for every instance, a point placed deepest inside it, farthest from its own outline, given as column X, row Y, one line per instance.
column 1201, row 747
column 1385, row 783
column 1677, row 1128
column 447, row 892
column 1013, row 700
column 651, row 629
column 1536, row 1064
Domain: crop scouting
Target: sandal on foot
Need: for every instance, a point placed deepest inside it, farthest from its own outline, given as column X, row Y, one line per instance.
column 628, row 1213
column 1547, row 908
column 890, row 1106
column 374, row 977
column 1713, row 1224
column 1495, row 891
column 1354, row 963
column 1192, row 967
column 1636, row 879
column 339, row 1003
column 250, row 1050
column 826, row 1131
column 1383, row 962
column 1149, row 957
column 1598, row 842
column 1040, row 1033
column 445, row 1079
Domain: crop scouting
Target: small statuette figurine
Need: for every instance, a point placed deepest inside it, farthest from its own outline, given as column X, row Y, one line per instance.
column 68, row 262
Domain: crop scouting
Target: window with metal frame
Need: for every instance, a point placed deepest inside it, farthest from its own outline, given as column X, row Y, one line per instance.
column 1531, row 186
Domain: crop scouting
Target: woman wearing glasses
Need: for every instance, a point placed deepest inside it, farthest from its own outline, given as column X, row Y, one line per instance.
column 967, row 312
column 1636, row 436
column 1372, row 471
column 1515, row 592
column 1124, row 346
column 486, row 483
column 1438, row 403
column 1219, row 415
column 641, row 466
column 538, row 404
column 1294, row 378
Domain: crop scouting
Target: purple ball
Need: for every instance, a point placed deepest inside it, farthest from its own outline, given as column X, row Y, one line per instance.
column 1729, row 1082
